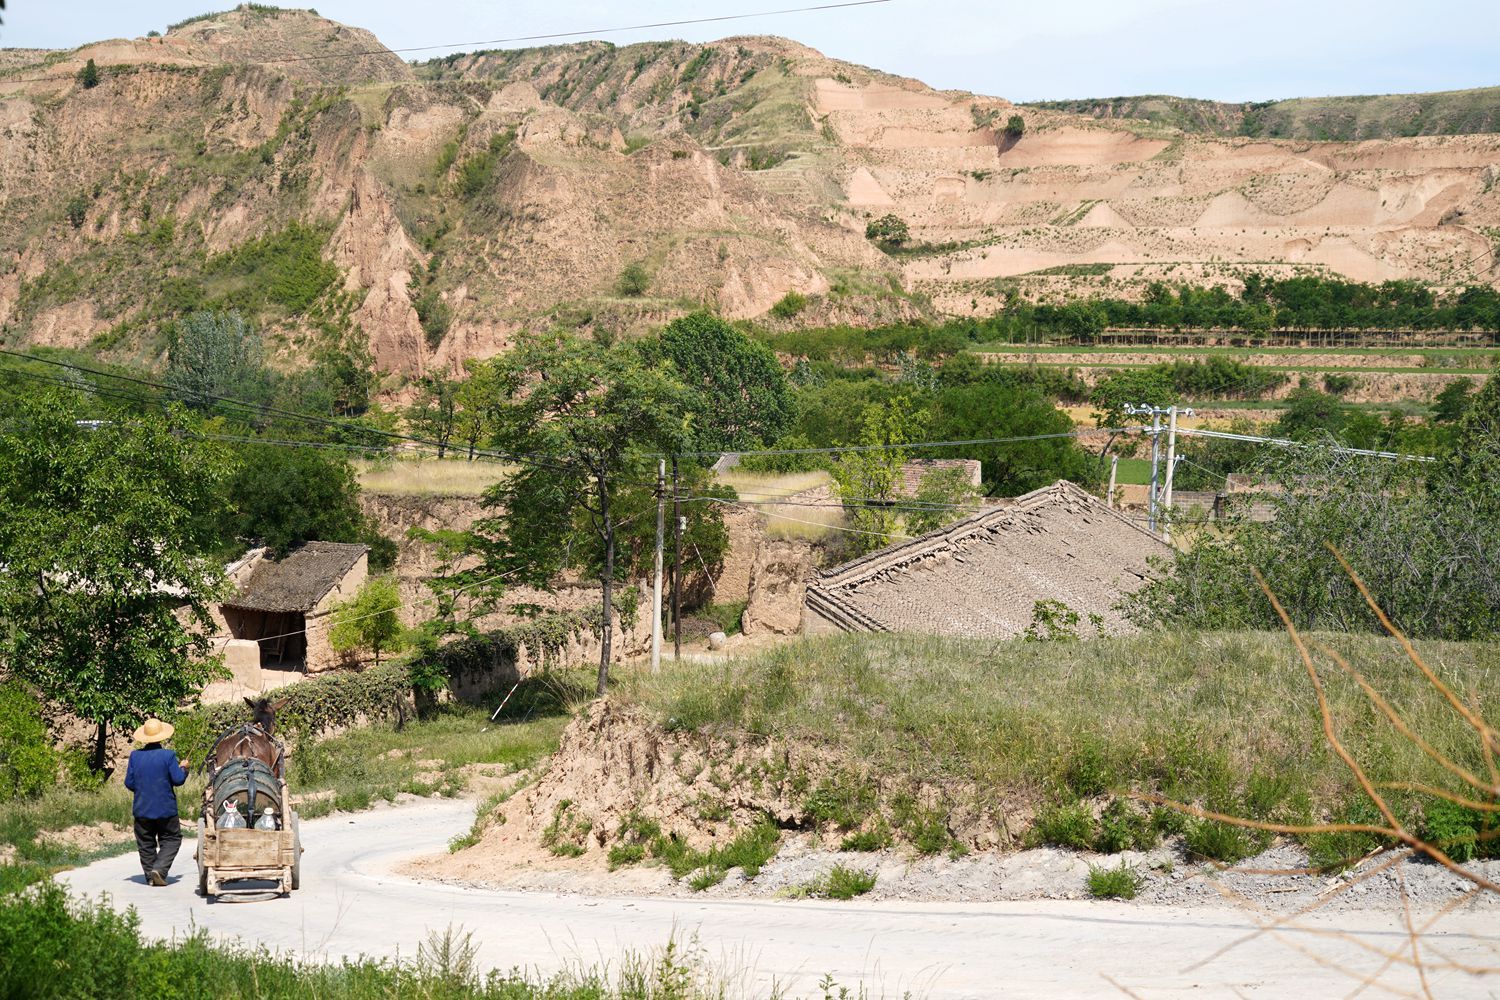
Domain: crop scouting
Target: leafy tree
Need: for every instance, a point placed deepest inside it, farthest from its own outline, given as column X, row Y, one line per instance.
column 743, row 399
column 634, row 281
column 595, row 411
column 1140, row 386
column 888, row 231
column 869, row 482
column 947, row 494
column 434, row 413
column 368, row 620
column 1312, row 415
column 1450, row 405
column 1015, row 126
column 1424, row 538
column 789, row 305
column 104, row 599
column 473, row 398
column 215, row 354
column 282, row 497
column 998, row 410
column 89, row 75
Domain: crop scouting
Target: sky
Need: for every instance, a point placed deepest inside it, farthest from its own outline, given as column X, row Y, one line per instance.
column 1265, row 50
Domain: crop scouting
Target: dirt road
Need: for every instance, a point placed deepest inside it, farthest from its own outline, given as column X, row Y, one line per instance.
column 350, row 904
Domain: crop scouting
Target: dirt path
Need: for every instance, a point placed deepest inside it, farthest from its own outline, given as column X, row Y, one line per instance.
column 352, row 904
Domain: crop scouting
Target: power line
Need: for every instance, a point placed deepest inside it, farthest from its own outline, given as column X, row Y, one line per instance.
column 359, row 53
column 1288, row 443
column 913, row 445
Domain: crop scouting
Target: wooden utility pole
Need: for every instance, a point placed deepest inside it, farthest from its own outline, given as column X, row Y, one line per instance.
column 676, row 563
column 661, row 506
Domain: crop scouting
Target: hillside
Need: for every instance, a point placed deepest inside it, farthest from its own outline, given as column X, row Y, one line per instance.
column 287, row 166
column 1341, row 119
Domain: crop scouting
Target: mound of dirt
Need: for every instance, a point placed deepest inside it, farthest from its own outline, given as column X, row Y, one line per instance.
column 616, row 767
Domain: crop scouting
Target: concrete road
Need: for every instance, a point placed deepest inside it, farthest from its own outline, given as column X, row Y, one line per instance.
column 350, row 904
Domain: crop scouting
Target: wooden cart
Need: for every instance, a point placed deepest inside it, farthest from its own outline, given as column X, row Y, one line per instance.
column 239, row 855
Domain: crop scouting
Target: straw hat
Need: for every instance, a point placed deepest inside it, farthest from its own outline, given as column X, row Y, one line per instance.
column 154, row 731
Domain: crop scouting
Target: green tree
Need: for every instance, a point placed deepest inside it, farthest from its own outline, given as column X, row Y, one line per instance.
column 594, row 411
column 1450, row 404
column 943, row 496
column 869, row 482
column 1311, row 415
column 282, row 497
column 888, row 231
column 634, row 281
column 89, row 75
column 473, row 398
column 1139, row 386
column 743, row 399
column 1015, row 126
column 215, row 354
column 433, row 415
column 104, row 599
column 368, row 620
column 78, row 210
column 997, row 410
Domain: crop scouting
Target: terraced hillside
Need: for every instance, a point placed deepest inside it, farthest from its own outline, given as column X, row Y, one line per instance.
column 286, row 166
column 1342, row 119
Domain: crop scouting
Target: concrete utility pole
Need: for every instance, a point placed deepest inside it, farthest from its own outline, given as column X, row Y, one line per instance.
column 676, row 564
column 1172, row 464
column 1153, row 508
column 661, row 509
column 1114, row 469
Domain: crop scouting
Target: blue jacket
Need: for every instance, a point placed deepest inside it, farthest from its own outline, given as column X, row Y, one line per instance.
column 152, row 774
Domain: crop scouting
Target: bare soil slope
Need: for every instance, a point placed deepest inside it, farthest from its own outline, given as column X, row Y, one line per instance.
column 229, row 163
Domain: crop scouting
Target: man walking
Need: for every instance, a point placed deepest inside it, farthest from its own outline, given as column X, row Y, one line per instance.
column 152, row 774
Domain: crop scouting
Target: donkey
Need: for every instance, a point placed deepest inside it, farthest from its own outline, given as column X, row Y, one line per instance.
column 255, row 738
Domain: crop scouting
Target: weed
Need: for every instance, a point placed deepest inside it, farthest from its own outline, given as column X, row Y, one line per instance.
column 1225, row 842
column 839, row 883
column 624, row 855
column 1114, row 883
column 564, row 836
column 1065, row 826
column 877, row 838
column 1336, row 851
column 1122, row 828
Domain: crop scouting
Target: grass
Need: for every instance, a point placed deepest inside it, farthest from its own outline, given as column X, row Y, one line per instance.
column 52, row 947
column 748, row 851
column 838, row 883
column 1223, row 720
column 1114, row 883
column 429, row 477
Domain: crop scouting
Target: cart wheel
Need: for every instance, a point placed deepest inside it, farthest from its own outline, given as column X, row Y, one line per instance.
column 296, row 852
column 202, row 867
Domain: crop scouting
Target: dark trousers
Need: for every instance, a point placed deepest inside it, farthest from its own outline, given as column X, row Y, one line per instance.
column 158, row 841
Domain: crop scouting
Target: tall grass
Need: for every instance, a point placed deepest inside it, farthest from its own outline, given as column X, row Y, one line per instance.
column 1206, row 718
column 429, row 477
column 52, row 948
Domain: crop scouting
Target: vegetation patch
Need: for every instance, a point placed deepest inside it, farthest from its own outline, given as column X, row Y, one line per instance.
column 1114, row 883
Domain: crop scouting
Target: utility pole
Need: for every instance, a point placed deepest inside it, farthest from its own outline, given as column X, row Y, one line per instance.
column 1172, row 463
column 676, row 563
column 1114, row 469
column 661, row 506
column 1153, row 508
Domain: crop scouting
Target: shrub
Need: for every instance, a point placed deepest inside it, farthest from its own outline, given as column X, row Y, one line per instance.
column 1338, row 383
column 1065, row 826
column 1122, row 829
column 78, row 210
column 1015, row 126
column 877, row 838
column 624, row 855
column 789, row 305
column 1225, row 842
column 28, row 762
column 707, row 877
column 89, row 75
column 564, row 836
column 1337, row 851
column 1453, row 829
column 844, row 883
column 633, row 281
column 1114, row 883
column 888, row 230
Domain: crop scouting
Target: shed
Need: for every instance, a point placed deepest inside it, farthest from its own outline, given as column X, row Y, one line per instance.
column 983, row 575
column 282, row 603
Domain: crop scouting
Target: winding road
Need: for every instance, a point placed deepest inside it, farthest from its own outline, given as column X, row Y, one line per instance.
column 350, row 904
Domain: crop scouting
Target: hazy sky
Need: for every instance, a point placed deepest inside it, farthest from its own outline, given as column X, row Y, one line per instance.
column 1024, row 51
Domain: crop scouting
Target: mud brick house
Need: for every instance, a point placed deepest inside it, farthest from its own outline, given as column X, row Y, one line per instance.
column 284, row 605
column 983, row 575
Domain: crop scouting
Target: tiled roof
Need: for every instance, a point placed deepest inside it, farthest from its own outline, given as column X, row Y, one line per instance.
column 982, row 575
column 301, row 580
